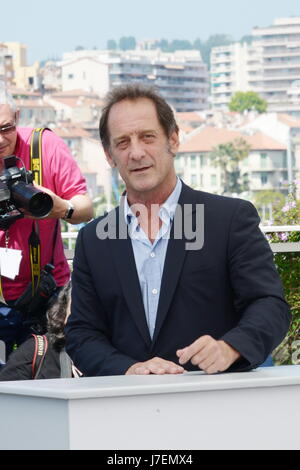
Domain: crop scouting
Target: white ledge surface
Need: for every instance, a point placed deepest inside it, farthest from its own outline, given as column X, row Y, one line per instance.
column 116, row 386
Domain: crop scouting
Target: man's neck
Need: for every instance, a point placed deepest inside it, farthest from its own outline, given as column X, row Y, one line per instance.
column 151, row 198
column 146, row 208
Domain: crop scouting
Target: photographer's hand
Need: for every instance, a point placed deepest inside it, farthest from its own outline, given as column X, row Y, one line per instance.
column 83, row 211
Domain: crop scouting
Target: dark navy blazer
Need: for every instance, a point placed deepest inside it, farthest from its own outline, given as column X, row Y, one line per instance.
column 229, row 289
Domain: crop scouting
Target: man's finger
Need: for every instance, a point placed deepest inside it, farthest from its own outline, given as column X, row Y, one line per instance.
column 187, row 353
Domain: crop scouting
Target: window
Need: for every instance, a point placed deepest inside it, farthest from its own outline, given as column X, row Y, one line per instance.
column 202, row 161
column 264, row 178
column 213, row 180
column 263, row 160
column 193, row 161
column 194, row 181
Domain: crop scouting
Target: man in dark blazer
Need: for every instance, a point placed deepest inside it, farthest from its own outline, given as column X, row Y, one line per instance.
column 211, row 300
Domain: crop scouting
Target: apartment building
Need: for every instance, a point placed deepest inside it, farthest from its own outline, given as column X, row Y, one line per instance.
column 77, row 106
column 277, row 77
column 35, row 113
column 265, row 166
column 229, row 72
column 181, row 77
column 25, row 76
column 6, row 66
column 269, row 66
column 89, row 155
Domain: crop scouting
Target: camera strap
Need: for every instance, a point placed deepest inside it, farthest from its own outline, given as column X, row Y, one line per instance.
column 36, row 155
column 35, row 256
column 34, row 239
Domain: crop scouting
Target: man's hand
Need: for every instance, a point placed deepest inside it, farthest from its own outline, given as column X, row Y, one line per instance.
column 208, row 354
column 59, row 209
column 81, row 202
column 155, row 366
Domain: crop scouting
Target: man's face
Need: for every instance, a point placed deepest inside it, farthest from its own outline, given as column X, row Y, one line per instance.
column 8, row 139
column 140, row 149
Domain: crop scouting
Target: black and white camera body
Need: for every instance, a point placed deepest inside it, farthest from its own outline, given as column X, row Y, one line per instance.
column 17, row 192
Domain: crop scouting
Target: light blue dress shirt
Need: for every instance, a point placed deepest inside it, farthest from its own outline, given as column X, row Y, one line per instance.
column 150, row 258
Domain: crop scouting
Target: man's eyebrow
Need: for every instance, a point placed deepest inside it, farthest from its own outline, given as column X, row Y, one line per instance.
column 119, row 138
column 5, row 124
column 141, row 132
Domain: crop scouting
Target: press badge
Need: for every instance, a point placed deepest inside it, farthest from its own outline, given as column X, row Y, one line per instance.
column 10, row 261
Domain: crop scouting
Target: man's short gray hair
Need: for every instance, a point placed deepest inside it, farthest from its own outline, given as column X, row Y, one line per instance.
column 133, row 92
column 7, row 98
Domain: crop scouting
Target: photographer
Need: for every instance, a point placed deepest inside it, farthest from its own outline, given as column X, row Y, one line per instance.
column 38, row 242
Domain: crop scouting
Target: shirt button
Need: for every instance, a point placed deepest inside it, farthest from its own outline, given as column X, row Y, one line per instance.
column 152, row 255
column 155, row 292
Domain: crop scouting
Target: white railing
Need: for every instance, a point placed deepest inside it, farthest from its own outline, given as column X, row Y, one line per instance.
column 284, row 247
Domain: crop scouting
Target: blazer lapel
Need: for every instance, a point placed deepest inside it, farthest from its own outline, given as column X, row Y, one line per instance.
column 122, row 253
column 175, row 257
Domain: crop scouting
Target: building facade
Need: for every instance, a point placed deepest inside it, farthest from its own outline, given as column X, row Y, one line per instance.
column 181, row 77
column 6, row 66
column 229, row 72
column 265, row 168
column 270, row 66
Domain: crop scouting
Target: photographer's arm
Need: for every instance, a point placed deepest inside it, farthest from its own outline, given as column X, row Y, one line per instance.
column 83, row 209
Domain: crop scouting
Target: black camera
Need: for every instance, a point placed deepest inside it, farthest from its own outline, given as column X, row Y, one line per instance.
column 36, row 306
column 17, row 191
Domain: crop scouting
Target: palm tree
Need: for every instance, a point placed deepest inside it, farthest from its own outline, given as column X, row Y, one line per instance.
column 228, row 157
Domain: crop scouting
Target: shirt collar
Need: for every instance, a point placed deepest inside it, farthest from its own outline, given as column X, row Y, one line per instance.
column 167, row 209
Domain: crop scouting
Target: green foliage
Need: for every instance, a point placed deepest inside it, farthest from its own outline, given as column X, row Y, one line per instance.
column 205, row 47
column 111, row 45
column 247, row 101
column 248, row 39
column 269, row 197
column 288, row 265
column 228, row 157
column 127, row 43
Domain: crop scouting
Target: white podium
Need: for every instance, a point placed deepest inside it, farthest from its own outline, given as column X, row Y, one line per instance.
column 254, row 410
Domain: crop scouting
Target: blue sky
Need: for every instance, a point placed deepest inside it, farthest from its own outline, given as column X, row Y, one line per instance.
column 50, row 28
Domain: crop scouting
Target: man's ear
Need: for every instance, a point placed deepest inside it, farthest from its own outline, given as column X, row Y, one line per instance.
column 109, row 158
column 174, row 142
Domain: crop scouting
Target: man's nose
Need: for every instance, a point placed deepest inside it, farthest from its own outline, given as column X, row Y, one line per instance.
column 136, row 150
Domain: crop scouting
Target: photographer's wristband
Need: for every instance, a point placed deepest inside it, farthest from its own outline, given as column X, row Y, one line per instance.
column 69, row 212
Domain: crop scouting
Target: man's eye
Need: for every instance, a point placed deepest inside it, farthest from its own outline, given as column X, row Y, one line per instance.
column 149, row 136
column 122, row 144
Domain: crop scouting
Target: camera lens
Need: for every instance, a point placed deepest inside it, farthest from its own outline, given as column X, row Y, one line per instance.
column 28, row 197
column 40, row 205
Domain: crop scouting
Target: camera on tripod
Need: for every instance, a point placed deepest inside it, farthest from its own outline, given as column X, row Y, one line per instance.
column 17, row 191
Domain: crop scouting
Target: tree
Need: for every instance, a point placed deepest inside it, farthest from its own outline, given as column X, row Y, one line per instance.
column 247, row 101
column 228, row 157
column 248, row 39
column 111, row 45
column 263, row 198
column 163, row 44
column 180, row 45
column 127, row 43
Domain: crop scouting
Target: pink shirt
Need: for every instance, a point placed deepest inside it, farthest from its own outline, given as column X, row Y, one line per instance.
column 60, row 174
